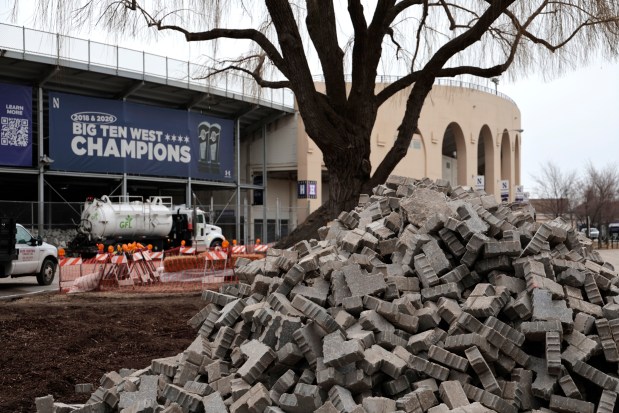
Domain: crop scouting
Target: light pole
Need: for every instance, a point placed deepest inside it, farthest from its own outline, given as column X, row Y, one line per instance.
column 495, row 80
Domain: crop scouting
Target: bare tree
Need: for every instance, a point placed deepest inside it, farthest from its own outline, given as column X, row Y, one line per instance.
column 600, row 192
column 419, row 40
column 556, row 190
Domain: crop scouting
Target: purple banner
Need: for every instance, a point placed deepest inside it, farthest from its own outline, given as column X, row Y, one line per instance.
column 100, row 135
column 15, row 125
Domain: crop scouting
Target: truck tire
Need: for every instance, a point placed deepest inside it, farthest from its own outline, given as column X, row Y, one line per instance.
column 48, row 270
column 216, row 243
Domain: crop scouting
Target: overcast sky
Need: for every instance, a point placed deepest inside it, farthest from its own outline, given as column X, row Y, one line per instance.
column 570, row 120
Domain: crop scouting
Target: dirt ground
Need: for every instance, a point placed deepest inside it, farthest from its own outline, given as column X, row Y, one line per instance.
column 51, row 342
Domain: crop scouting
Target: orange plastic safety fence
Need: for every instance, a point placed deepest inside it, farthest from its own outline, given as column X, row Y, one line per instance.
column 135, row 273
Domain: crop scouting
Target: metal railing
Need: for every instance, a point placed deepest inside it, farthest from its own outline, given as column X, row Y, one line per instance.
column 439, row 82
column 101, row 55
column 95, row 54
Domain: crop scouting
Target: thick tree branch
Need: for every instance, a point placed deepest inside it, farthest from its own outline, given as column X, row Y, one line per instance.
column 423, row 85
column 321, row 26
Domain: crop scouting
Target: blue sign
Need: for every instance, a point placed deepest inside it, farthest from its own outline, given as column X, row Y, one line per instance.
column 307, row 189
column 15, row 125
column 100, row 135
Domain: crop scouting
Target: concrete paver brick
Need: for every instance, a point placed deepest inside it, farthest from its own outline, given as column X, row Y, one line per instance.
column 289, row 354
column 546, row 309
column 488, row 399
column 341, row 398
column 449, row 290
column 607, row 402
column 536, row 330
column 190, row 402
column 544, row 384
column 428, row 383
column 608, row 342
column 584, row 323
column 338, row 352
column 568, row 386
column 378, row 404
column 316, row 313
column 452, row 394
column 568, row 405
column 371, row 320
column 593, row 292
column 594, row 375
column 389, row 340
column 259, row 357
column 553, row 353
column 447, row 358
column 520, row 308
column 426, row 273
column 448, row 309
column 214, row 403
column 481, row 368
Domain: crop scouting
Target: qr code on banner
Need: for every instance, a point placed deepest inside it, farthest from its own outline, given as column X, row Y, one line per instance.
column 14, row 132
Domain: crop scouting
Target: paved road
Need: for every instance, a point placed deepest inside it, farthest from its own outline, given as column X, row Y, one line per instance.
column 11, row 288
column 611, row 256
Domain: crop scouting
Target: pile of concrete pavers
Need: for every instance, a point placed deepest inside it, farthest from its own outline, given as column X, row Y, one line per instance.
column 423, row 298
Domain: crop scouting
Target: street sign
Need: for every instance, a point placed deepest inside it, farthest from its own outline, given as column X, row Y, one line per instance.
column 519, row 193
column 504, row 190
column 480, row 182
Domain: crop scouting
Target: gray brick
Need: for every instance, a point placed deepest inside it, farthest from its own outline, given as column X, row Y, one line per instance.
column 546, row 309
column 371, row 320
column 360, row 283
column 452, row 394
column 448, row 358
column 259, row 357
column 481, row 368
column 426, row 273
column 488, row 399
column 525, row 380
column 607, row 401
column 448, row 309
column 188, row 401
column 449, row 290
column 593, row 292
column 553, row 353
column 544, row 384
column 338, row 352
column 579, row 347
column 568, row 386
column 584, row 323
column 342, row 399
column 255, row 399
column 44, row 404
column 536, row 330
column 568, row 405
column 214, row 403
column 316, row 313
column 217, row 298
column 594, row 375
column 608, row 342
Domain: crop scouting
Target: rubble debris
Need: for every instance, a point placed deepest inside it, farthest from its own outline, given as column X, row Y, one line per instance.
column 423, row 298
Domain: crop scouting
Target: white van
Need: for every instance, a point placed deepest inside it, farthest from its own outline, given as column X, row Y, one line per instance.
column 30, row 257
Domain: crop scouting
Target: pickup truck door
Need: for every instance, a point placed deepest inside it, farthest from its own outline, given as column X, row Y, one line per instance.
column 27, row 255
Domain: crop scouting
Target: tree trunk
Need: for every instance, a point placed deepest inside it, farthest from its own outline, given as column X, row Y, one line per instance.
column 348, row 170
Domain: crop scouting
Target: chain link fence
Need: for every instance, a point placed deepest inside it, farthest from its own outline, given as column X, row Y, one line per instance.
column 60, row 220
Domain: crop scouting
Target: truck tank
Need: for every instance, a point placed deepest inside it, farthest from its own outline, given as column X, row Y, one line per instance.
column 127, row 218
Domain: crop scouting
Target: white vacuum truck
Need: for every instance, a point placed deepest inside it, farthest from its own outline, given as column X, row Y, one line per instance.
column 113, row 220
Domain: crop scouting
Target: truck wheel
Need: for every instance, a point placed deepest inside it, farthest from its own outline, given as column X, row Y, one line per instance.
column 216, row 243
column 48, row 270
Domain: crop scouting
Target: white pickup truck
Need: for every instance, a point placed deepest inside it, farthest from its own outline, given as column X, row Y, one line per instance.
column 22, row 255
